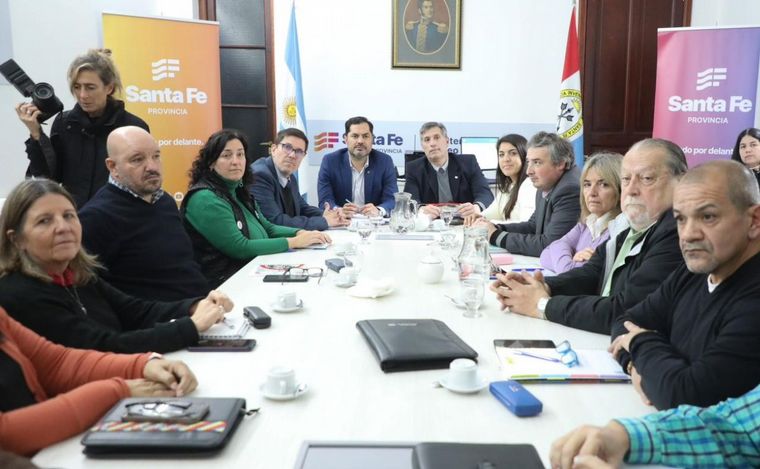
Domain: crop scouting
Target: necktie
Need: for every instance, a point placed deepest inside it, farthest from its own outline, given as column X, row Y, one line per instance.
column 444, row 189
column 630, row 240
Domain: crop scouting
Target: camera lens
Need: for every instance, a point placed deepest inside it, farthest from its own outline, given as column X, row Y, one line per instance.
column 43, row 91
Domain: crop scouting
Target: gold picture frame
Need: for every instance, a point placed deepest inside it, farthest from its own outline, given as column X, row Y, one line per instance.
column 427, row 34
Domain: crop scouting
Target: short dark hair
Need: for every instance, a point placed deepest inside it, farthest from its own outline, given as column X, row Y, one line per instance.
column 432, row 125
column 561, row 150
column 211, row 151
column 290, row 132
column 357, row 121
column 741, row 184
column 752, row 132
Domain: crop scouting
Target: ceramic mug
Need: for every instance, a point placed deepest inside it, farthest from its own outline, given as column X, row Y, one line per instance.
column 287, row 299
column 348, row 276
column 463, row 373
column 281, row 381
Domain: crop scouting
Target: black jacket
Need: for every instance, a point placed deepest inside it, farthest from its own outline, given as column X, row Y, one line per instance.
column 75, row 152
column 465, row 179
column 576, row 300
column 113, row 322
column 703, row 347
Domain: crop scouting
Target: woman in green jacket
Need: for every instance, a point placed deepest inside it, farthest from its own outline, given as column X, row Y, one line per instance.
column 224, row 223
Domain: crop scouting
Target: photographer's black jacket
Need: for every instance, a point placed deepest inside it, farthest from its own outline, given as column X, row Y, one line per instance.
column 75, row 152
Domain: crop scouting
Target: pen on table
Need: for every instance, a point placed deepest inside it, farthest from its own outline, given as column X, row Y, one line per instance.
column 540, row 357
column 528, row 269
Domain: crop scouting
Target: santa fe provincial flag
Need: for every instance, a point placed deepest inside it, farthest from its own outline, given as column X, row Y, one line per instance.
column 292, row 111
column 570, row 118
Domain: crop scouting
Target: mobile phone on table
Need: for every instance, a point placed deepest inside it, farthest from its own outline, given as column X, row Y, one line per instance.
column 278, row 278
column 223, row 345
column 524, row 343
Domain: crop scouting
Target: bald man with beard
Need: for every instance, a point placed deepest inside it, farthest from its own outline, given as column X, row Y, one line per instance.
column 134, row 226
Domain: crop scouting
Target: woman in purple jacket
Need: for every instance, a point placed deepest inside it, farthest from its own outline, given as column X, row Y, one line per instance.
column 600, row 204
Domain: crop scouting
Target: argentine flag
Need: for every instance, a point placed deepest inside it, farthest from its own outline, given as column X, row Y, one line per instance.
column 291, row 106
column 570, row 117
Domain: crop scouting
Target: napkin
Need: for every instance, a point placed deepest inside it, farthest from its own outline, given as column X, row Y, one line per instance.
column 372, row 288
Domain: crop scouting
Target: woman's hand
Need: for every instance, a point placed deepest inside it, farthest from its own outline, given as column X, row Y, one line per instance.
column 583, row 255
column 206, row 313
column 172, row 375
column 306, row 238
column 28, row 113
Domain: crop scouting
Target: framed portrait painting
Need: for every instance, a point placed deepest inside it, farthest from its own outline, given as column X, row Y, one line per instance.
column 427, row 33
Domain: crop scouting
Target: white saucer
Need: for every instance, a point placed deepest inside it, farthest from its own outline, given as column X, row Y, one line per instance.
column 301, row 389
column 343, row 285
column 279, row 309
column 481, row 384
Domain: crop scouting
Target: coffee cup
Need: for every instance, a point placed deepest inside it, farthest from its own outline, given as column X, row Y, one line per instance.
column 287, row 299
column 281, row 381
column 463, row 373
column 345, row 248
column 348, row 276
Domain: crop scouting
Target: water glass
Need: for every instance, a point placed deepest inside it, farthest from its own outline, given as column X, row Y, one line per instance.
column 447, row 214
column 364, row 228
column 471, row 293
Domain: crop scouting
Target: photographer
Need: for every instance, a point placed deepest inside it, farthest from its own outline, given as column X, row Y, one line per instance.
column 74, row 154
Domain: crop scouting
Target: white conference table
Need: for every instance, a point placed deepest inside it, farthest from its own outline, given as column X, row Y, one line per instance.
column 349, row 397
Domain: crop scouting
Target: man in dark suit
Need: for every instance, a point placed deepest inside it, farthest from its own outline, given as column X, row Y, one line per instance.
column 357, row 177
column 426, row 35
column 441, row 177
column 276, row 190
column 552, row 170
column 593, row 296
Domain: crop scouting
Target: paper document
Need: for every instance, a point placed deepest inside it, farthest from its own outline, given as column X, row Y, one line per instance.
column 233, row 327
column 536, row 364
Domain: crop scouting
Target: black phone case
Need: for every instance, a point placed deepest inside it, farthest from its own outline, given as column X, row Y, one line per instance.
column 278, row 278
column 257, row 317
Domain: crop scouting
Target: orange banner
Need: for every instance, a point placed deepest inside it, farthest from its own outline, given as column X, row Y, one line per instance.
column 170, row 73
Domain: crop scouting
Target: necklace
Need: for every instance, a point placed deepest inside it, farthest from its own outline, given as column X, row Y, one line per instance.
column 75, row 296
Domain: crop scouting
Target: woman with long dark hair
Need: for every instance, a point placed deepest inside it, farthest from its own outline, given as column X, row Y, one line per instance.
column 224, row 223
column 514, row 201
column 747, row 150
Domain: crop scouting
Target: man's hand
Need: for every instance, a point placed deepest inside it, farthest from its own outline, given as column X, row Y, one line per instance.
column 220, row 298
column 350, row 209
column 172, row 375
column 485, row 223
column 334, row 217
column 470, row 220
column 520, row 292
column 623, row 342
column 583, row 255
column 591, row 447
column 432, row 211
column 206, row 313
column 370, row 210
column 468, row 209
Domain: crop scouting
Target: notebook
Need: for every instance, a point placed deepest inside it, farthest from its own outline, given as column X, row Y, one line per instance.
column 413, row 344
column 233, row 327
column 112, row 436
column 466, row 455
column 594, row 366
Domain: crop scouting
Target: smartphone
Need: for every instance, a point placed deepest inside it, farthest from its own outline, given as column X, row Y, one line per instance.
column 223, row 345
column 274, row 278
column 524, row 343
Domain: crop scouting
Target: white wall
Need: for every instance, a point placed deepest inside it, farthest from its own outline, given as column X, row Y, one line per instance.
column 725, row 13
column 45, row 36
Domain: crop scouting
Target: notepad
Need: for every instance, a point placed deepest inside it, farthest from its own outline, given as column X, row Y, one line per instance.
column 594, row 366
column 233, row 327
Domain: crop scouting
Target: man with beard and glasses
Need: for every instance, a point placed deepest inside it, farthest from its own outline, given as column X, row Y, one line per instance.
column 358, row 178
column 135, row 228
column 592, row 296
column 695, row 339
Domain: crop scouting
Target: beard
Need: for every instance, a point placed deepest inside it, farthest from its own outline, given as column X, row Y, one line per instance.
column 637, row 213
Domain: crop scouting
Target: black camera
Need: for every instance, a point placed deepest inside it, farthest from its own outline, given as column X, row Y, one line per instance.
column 42, row 94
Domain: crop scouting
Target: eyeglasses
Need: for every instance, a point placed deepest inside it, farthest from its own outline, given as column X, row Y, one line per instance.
column 314, row 272
column 288, row 148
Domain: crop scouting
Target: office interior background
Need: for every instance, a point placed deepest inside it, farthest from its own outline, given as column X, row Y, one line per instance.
column 511, row 61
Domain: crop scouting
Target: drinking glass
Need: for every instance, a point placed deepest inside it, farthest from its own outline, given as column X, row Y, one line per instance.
column 447, row 214
column 471, row 293
column 364, row 228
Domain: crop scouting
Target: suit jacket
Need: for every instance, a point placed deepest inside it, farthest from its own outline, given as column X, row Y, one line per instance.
column 266, row 190
column 554, row 217
column 334, row 181
column 576, row 294
column 465, row 179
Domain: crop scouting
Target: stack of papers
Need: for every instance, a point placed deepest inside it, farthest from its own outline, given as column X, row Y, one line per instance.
column 233, row 327
column 594, row 366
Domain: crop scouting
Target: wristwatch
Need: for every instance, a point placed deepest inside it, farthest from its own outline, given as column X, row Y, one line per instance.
column 541, row 306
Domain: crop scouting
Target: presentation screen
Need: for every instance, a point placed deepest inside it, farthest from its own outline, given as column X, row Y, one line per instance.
column 484, row 149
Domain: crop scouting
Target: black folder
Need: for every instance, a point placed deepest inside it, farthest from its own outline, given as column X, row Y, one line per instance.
column 413, row 344
column 462, row 455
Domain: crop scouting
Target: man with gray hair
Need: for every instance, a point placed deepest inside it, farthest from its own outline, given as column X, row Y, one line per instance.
column 443, row 178
column 695, row 339
column 592, row 296
column 551, row 168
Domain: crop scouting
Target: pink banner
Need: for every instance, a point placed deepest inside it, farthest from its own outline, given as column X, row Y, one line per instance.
column 707, row 89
